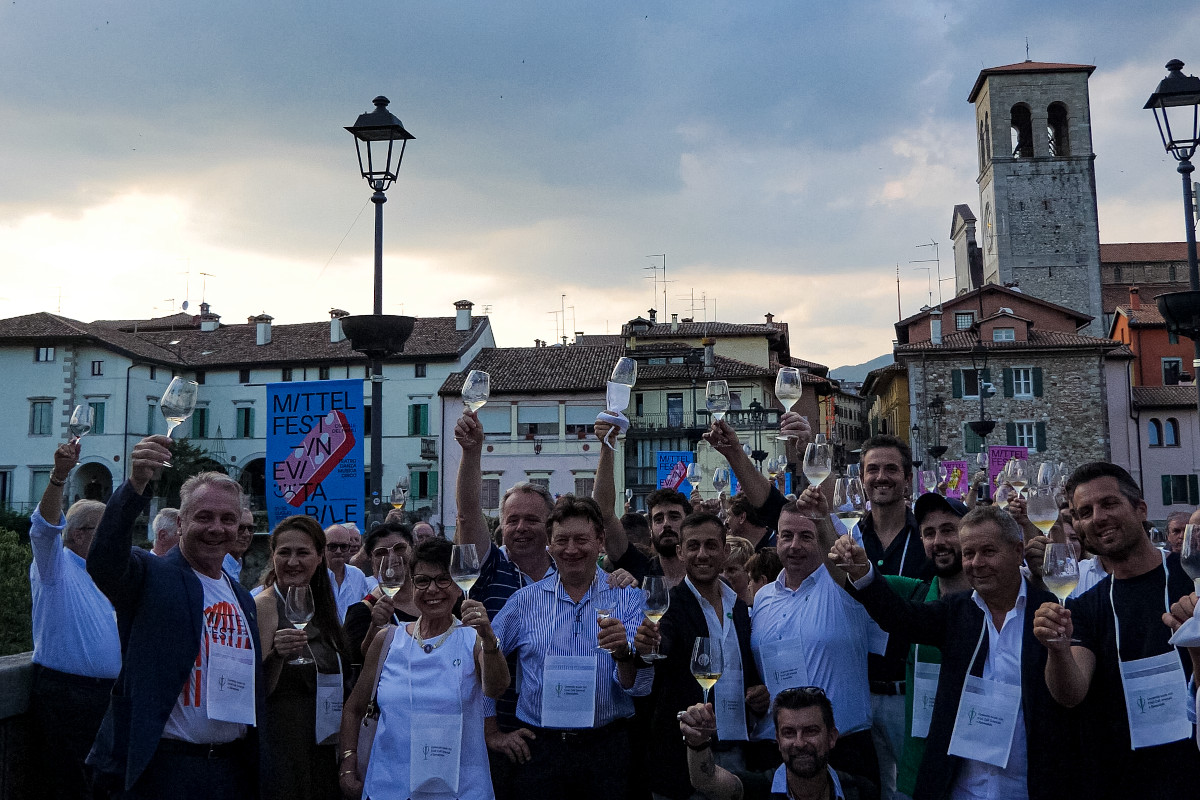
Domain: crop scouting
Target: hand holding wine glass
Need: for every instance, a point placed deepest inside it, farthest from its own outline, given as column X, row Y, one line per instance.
column 656, row 599
column 392, row 572
column 717, row 399
column 299, row 609
column 788, row 390
column 464, row 567
column 707, row 662
column 177, row 403
column 1189, row 556
column 1060, row 574
column 477, row 387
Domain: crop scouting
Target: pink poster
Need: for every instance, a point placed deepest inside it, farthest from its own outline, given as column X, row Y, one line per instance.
column 958, row 479
column 998, row 457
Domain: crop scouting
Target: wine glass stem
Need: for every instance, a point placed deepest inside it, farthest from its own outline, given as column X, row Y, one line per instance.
column 705, row 695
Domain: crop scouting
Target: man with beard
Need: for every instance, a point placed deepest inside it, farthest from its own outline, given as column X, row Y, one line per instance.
column 993, row 714
column 938, row 520
column 667, row 508
column 805, row 732
column 1123, row 656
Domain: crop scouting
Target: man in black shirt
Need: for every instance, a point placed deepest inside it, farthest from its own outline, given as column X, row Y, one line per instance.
column 1134, row 681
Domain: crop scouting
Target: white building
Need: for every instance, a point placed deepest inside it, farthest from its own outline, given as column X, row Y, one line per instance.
column 121, row 367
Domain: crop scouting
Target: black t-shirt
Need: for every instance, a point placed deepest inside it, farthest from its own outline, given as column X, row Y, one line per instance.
column 904, row 556
column 1162, row 772
column 636, row 563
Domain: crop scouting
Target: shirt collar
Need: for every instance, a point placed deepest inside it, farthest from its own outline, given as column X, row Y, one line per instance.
column 779, row 782
column 1018, row 606
column 807, row 583
column 553, row 583
column 728, row 596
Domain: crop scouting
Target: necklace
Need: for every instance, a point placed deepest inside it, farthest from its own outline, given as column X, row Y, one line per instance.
column 429, row 648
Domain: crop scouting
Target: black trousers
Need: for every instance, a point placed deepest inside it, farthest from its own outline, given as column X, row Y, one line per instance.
column 66, row 711
column 180, row 771
column 590, row 764
column 855, row 754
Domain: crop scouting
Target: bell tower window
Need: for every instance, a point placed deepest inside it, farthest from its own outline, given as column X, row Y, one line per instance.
column 1022, row 132
column 1057, row 132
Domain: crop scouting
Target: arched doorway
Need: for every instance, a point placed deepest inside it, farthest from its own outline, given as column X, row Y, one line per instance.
column 91, row 481
column 253, row 478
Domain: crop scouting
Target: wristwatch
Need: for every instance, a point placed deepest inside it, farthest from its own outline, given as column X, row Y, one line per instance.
column 496, row 649
column 629, row 655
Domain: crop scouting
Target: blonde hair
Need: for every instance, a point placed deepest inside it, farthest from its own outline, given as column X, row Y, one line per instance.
column 740, row 550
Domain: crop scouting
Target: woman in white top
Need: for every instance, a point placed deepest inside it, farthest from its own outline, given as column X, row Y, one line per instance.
column 429, row 742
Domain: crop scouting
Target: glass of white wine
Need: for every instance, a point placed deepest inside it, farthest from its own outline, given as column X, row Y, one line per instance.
column 177, row 404
column 1018, row 475
column 707, row 662
column 464, row 566
column 788, row 390
column 1060, row 573
column 1042, row 508
column 299, row 608
column 720, row 479
column 82, row 420
column 695, row 474
column 392, row 572
column 717, row 399
column 476, row 388
column 818, row 463
column 656, row 599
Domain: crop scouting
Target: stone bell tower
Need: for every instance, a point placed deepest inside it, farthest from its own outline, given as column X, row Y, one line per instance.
column 1038, row 227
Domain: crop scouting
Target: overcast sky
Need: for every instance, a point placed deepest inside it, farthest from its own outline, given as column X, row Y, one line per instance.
column 785, row 156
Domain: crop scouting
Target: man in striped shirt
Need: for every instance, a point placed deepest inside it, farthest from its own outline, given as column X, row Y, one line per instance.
column 570, row 633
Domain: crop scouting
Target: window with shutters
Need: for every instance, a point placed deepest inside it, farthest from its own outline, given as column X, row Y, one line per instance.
column 489, row 497
column 966, row 382
column 583, row 485
column 537, row 421
column 1022, row 382
column 423, row 484
column 580, row 420
column 971, row 442
column 1180, row 490
column 97, row 407
column 40, row 417
column 1024, row 434
column 418, row 419
column 245, row 423
column 200, row 423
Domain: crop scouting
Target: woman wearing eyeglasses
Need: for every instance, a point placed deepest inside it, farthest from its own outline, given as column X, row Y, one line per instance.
column 435, row 674
column 365, row 619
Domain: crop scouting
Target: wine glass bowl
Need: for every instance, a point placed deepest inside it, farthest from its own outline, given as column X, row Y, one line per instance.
column 177, row 404
column 717, row 399
column 695, row 474
column 1060, row 573
column 720, row 479
column 299, row 609
column 393, row 569
column 1042, row 508
column 788, row 390
column 656, row 599
column 477, row 387
column 82, row 420
column 464, row 566
column 707, row 662
column 625, row 372
column 818, row 463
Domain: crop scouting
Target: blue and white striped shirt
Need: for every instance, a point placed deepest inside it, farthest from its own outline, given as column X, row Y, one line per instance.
column 542, row 620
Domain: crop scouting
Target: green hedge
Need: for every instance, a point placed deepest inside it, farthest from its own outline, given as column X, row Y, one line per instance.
column 16, row 604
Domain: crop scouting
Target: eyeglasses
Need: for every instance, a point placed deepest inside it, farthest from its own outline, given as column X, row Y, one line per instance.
column 423, row 582
column 806, row 691
column 400, row 549
column 337, row 547
column 245, row 529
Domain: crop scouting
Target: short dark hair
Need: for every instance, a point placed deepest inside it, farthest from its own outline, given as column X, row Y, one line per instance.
column 882, row 440
column 387, row 529
column 1103, row 469
column 698, row 518
column 741, row 505
column 764, row 565
column 635, row 524
column 435, row 551
column 667, row 497
column 571, row 507
column 803, row 697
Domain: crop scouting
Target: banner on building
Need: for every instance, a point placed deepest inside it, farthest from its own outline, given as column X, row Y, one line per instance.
column 315, row 451
column 999, row 456
column 958, row 479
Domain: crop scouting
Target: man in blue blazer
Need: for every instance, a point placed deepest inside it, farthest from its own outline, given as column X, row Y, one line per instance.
column 181, row 720
column 996, row 731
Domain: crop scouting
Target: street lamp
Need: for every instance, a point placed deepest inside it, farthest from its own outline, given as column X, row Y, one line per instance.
column 1181, row 93
column 914, row 445
column 378, row 335
column 983, row 426
column 937, row 407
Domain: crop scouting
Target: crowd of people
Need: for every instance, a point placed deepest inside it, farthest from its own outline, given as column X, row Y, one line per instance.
column 918, row 654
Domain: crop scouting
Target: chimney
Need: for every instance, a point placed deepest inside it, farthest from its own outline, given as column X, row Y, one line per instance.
column 578, row 337
column 653, row 317
column 262, row 328
column 674, row 323
column 1135, row 299
column 710, row 358
column 770, row 320
column 935, row 326
column 462, row 315
column 336, row 334
column 208, row 320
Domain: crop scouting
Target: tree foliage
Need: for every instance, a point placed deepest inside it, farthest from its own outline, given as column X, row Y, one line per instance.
column 187, row 459
column 16, row 603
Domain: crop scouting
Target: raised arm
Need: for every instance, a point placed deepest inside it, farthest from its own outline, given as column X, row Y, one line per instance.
column 753, row 483
column 470, row 527
column 45, row 539
column 604, row 492
column 924, row 623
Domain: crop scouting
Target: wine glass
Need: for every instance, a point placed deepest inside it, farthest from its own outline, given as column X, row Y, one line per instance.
column 656, row 598
column 1018, row 475
column 720, row 479
column 392, row 572
column 82, row 419
column 1189, row 556
column 464, row 566
column 1004, row 493
column 629, row 495
column 1047, row 474
column 177, row 404
column 695, row 474
column 625, row 372
column 707, row 662
column 299, row 609
column 717, row 399
column 849, row 503
column 788, row 390
column 1042, row 508
column 476, row 388
column 818, row 463
column 773, row 468
column 1060, row 573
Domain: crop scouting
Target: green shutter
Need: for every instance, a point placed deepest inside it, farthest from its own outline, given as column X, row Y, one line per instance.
column 98, row 422
column 956, row 382
column 1008, row 382
column 971, row 442
column 1010, row 433
column 1193, row 490
column 1166, row 490
column 424, row 430
column 1039, row 436
column 987, row 375
column 433, row 478
column 1037, row 381
column 412, row 420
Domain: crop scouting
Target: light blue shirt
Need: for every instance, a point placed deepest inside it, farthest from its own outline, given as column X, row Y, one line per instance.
column 352, row 589
column 779, row 783
column 542, row 620
column 232, row 567
column 74, row 625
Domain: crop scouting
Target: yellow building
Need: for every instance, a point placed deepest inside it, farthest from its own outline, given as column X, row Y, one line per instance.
column 888, row 389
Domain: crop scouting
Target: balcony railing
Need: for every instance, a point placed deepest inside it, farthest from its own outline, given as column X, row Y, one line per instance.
column 744, row 419
column 429, row 449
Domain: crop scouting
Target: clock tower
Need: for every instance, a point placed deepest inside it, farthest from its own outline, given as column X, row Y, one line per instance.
column 1038, row 229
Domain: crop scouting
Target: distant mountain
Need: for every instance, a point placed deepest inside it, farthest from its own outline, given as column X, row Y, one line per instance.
column 858, row 372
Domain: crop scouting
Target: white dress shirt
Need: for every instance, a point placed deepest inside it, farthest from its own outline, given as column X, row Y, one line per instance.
column 834, row 631
column 74, row 625
column 353, row 588
column 976, row 779
column 720, row 624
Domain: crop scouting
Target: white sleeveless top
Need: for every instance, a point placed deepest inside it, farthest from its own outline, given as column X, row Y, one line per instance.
column 440, row 681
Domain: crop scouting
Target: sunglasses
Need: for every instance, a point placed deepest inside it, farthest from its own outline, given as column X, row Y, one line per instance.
column 806, row 691
column 337, row 547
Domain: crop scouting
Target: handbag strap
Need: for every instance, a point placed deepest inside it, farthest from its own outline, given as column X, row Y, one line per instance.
column 383, row 654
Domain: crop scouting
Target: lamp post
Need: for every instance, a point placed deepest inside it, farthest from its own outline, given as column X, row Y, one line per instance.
column 914, row 444
column 378, row 335
column 937, row 407
column 982, row 426
column 1175, row 101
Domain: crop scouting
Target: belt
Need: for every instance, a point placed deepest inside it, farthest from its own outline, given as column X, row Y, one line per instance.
column 199, row 750
column 72, row 678
column 579, row 736
column 889, row 687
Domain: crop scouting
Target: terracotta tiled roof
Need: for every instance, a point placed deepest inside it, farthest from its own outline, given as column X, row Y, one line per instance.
column 723, row 369
column 811, row 366
column 50, row 328
column 1038, row 340
column 953, row 304
column 1117, row 294
column 1131, row 252
column 174, row 321
column 881, row 375
column 1026, row 66
column 525, row 370
column 1146, row 316
column 699, row 329
column 1164, row 397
